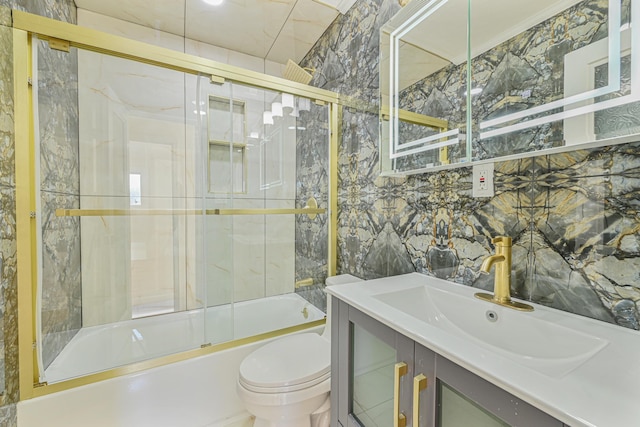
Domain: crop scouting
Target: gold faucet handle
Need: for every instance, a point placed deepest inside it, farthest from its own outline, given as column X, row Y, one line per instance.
column 502, row 240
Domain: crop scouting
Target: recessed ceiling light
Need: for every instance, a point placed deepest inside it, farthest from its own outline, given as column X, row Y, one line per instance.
column 214, row 2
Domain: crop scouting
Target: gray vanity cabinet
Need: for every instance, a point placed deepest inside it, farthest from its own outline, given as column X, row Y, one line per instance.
column 383, row 378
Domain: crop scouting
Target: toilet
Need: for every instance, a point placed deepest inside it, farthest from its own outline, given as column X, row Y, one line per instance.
column 286, row 382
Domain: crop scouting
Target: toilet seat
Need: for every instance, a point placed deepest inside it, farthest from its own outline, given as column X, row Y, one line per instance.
column 288, row 364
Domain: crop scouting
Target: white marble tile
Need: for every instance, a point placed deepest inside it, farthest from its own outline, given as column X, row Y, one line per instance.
column 130, row 260
column 273, row 68
column 164, row 15
column 225, row 56
column 218, row 273
column 175, row 42
column 105, row 263
column 248, row 252
column 122, row 101
column 279, row 160
column 306, row 24
column 280, row 249
column 130, row 30
column 219, row 25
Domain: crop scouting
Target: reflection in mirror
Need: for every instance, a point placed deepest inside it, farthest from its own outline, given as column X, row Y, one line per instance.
column 541, row 87
column 421, row 127
column 543, row 75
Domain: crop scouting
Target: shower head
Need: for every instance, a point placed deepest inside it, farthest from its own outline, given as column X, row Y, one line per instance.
column 298, row 74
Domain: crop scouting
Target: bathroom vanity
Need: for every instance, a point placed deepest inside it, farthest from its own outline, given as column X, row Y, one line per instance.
column 414, row 350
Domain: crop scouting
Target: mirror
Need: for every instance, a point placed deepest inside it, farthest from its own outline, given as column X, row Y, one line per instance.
column 464, row 81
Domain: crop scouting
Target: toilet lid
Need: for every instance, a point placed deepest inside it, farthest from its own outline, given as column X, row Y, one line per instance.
column 302, row 359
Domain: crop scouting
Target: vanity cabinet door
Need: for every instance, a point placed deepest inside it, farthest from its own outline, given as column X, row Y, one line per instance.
column 423, row 409
column 375, row 373
column 465, row 399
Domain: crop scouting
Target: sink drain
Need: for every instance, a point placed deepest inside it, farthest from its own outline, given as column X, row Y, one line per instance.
column 491, row 316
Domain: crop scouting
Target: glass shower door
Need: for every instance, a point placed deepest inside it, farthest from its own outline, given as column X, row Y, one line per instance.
column 118, row 214
column 254, row 149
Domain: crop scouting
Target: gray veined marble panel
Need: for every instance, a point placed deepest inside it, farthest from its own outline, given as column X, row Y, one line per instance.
column 346, row 56
column 62, row 10
column 586, row 213
column 7, row 176
column 66, row 11
column 61, row 279
column 312, row 180
column 8, row 416
column 8, row 296
column 554, row 282
column 58, row 120
column 387, row 256
column 5, row 13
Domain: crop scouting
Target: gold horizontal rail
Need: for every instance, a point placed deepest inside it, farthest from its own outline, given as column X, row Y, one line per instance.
column 97, row 41
column 305, row 211
column 415, row 118
column 151, row 212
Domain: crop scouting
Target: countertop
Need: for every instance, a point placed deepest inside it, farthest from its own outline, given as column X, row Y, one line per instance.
column 603, row 391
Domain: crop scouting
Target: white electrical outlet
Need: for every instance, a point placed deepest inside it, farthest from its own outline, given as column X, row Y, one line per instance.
column 483, row 180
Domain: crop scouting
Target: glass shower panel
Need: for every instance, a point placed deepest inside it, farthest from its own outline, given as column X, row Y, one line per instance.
column 255, row 138
column 117, row 214
column 220, row 171
column 312, row 165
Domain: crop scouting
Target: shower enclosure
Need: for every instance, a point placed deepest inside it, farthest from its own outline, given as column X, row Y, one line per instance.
column 175, row 208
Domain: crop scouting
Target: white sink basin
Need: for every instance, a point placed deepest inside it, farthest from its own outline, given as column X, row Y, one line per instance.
column 543, row 339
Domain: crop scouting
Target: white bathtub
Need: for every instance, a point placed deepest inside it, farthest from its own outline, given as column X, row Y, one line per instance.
column 97, row 348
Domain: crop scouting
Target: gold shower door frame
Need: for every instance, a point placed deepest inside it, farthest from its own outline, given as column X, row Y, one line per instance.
column 61, row 36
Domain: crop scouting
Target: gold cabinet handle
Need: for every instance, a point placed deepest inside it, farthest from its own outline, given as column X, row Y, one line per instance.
column 419, row 384
column 399, row 420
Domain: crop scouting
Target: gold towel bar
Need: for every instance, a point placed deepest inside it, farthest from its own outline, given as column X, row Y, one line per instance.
column 311, row 209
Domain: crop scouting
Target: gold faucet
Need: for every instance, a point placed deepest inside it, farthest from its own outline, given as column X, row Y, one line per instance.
column 502, row 285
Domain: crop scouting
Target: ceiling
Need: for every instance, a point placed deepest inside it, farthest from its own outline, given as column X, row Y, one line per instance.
column 275, row 30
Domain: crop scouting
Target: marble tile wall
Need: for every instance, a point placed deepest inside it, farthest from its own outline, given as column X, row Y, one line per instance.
column 59, row 187
column 8, row 280
column 58, row 9
column 573, row 216
column 312, row 179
